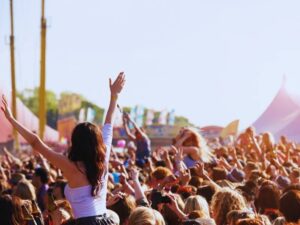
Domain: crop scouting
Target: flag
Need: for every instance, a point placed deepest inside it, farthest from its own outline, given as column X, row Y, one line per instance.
column 90, row 115
column 149, row 117
column 230, row 129
column 171, row 118
column 81, row 116
column 139, row 119
column 118, row 119
column 162, row 120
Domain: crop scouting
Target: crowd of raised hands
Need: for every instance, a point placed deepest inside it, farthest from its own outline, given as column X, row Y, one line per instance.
column 250, row 179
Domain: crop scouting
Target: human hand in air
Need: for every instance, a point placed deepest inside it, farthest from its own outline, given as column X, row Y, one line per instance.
column 5, row 108
column 117, row 86
column 134, row 174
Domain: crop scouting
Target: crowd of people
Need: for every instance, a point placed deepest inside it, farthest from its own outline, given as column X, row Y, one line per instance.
column 250, row 180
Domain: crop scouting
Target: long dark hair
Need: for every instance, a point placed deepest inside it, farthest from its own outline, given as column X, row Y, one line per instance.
column 88, row 147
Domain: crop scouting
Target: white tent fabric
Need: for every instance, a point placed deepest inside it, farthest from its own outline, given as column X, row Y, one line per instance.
column 282, row 117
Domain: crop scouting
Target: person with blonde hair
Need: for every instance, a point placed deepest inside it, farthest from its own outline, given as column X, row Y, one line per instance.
column 145, row 216
column 193, row 145
column 224, row 201
column 196, row 202
column 25, row 190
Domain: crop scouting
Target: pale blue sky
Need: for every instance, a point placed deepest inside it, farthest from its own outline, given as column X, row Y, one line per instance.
column 212, row 61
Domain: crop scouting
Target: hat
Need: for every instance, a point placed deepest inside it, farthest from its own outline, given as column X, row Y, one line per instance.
column 236, row 175
column 283, row 182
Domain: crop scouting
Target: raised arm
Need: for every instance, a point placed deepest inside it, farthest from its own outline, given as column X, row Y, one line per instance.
column 115, row 89
column 127, row 130
column 37, row 144
column 107, row 132
column 138, row 129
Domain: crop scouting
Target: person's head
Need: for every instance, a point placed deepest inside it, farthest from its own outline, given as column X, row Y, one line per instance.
column 15, row 178
column 272, row 171
column 250, row 166
column 197, row 214
column 268, row 198
column 290, row 205
column 10, row 210
column 197, row 140
column 4, row 186
column 159, row 174
column 40, row 177
column 146, row 216
column 250, row 221
column 87, row 147
column 219, row 174
column 199, row 221
column 268, row 140
column 295, row 176
column 124, row 207
column 58, row 190
column 206, row 191
column 196, row 202
column 25, row 190
column 250, row 131
column 235, row 215
column 223, row 202
column 248, row 190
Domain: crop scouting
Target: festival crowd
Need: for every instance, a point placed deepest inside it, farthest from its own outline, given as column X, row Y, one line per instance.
column 249, row 180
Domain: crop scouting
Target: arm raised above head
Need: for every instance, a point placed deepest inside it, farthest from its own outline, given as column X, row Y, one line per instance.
column 115, row 89
column 37, row 144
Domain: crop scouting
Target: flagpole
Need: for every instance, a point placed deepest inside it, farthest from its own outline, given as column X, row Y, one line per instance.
column 13, row 73
column 42, row 90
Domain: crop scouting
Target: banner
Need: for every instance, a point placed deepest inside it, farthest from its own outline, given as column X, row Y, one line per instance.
column 81, row 117
column 171, row 118
column 132, row 116
column 162, row 120
column 90, row 115
column 139, row 119
column 149, row 117
column 230, row 129
column 118, row 119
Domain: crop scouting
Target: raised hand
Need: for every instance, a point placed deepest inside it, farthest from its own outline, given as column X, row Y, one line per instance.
column 200, row 169
column 5, row 108
column 179, row 155
column 117, row 86
column 134, row 174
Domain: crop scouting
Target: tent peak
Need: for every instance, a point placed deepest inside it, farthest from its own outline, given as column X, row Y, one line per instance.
column 284, row 80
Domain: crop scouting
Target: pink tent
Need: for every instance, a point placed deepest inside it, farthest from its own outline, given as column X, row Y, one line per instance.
column 27, row 118
column 282, row 117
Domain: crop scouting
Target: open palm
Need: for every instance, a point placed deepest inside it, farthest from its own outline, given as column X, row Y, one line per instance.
column 4, row 107
column 117, row 86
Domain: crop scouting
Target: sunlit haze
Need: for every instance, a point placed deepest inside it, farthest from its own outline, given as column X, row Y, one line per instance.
column 211, row 61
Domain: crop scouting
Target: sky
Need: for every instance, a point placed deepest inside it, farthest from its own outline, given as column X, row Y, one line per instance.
column 212, row 61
